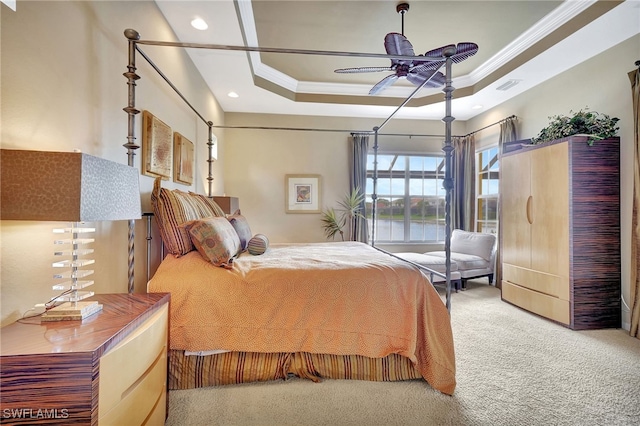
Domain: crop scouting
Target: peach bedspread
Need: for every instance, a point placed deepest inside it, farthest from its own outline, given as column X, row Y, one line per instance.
column 329, row 298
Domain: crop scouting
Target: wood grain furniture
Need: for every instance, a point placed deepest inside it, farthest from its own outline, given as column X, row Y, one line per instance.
column 109, row 368
column 560, row 231
column 227, row 204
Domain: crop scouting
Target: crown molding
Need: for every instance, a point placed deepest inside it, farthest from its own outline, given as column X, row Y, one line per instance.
column 566, row 11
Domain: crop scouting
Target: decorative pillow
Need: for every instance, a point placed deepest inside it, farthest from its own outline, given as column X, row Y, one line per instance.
column 172, row 209
column 215, row 239
column 241, row 226
column 208, row 206
column 258, row 244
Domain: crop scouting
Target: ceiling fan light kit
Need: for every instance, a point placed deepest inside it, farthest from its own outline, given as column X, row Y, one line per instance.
column 421, row 71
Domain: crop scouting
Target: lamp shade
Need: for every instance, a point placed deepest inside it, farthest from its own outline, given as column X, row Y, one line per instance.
column 66, row 186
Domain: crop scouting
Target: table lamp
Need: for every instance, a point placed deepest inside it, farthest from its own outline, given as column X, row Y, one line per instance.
column 71, row 187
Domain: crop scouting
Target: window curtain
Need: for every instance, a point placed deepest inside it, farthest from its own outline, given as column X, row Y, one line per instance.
column 358, row 179
column 508, row 133
column 634, row 302
column 463, row 203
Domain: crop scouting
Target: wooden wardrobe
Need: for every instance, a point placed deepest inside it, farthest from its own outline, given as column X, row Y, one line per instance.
column 560, row 231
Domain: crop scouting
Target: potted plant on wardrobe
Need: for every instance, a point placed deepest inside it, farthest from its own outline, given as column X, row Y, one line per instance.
column 593, row 124
column 337, row 221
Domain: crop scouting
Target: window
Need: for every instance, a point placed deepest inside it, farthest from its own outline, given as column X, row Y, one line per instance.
column 488, row 167
column 410, row 205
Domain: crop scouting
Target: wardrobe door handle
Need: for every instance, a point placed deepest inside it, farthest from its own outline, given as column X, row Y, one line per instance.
column 529, row 210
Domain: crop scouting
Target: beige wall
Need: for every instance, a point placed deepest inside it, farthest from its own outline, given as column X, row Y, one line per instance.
column 63, row 89
column 258, row 160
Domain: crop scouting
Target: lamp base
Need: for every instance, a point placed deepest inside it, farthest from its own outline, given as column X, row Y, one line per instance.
column 70, row 311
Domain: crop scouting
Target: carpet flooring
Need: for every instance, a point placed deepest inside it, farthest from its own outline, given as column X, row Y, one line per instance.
column 513, row 368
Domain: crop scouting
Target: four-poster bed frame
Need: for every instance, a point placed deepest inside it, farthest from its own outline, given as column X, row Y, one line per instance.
column 134, row 41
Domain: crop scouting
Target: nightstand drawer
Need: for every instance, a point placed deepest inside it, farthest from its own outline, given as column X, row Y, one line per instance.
column 144, row 403
column 133, row 374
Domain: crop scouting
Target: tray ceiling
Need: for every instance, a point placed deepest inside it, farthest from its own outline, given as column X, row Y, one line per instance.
column 521, row 44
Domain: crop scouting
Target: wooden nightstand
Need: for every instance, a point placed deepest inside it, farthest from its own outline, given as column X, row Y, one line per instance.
column 110, row 368
column 228, row 204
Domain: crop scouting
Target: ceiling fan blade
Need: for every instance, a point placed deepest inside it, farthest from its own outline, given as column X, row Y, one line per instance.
column 464, row 51
column 362, row 69
column 397, row 44
column 383, row 84
column 417, row 78
column 438, row 53
column 425, row 68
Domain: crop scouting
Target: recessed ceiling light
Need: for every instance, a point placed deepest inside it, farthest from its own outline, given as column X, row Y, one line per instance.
column 477, row 107
column 232, row 95
column 199, row 24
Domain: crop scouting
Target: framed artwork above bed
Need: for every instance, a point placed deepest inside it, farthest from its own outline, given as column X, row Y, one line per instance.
column 183, row 159
column 302, row 193
column 157, row 147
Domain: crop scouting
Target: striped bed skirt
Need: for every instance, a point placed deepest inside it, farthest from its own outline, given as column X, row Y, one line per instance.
column 192, row 371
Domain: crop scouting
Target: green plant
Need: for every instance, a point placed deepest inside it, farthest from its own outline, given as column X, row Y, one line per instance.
column 336, row 220
column 584, row 122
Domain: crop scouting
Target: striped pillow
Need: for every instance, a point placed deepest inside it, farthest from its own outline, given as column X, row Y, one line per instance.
column 172, row 209
column 258, row 244
column 208, row 206
column 215, row 239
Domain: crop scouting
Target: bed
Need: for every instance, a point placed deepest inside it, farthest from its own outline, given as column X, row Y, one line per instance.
column 341, row 310
column 323, row 310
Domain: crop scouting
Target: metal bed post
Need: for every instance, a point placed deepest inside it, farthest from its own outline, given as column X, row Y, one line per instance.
column 210, row 161
column 148, row 215
column 374, row 196
column 131, row 146
column 448, row 179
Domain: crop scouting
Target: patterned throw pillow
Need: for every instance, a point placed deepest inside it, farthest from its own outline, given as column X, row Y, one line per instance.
column 241, row 226
column 215, row 239
column 258, row 244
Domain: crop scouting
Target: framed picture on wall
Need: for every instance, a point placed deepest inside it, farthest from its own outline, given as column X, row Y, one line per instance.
column 183, row 159
column 302, row 193
column 157, row 147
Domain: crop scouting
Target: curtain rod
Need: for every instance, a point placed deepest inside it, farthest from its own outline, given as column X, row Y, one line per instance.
column 311, row 129
column 490, row 125
column 409, row 135
column 354, row 132
column 299, row 129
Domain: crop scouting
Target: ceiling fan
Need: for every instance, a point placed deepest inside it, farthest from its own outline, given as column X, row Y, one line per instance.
column 416, row 71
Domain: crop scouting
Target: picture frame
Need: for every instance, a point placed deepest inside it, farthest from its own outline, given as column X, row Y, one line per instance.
column 183, row 159
column 302, row 193
column 157, row 147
